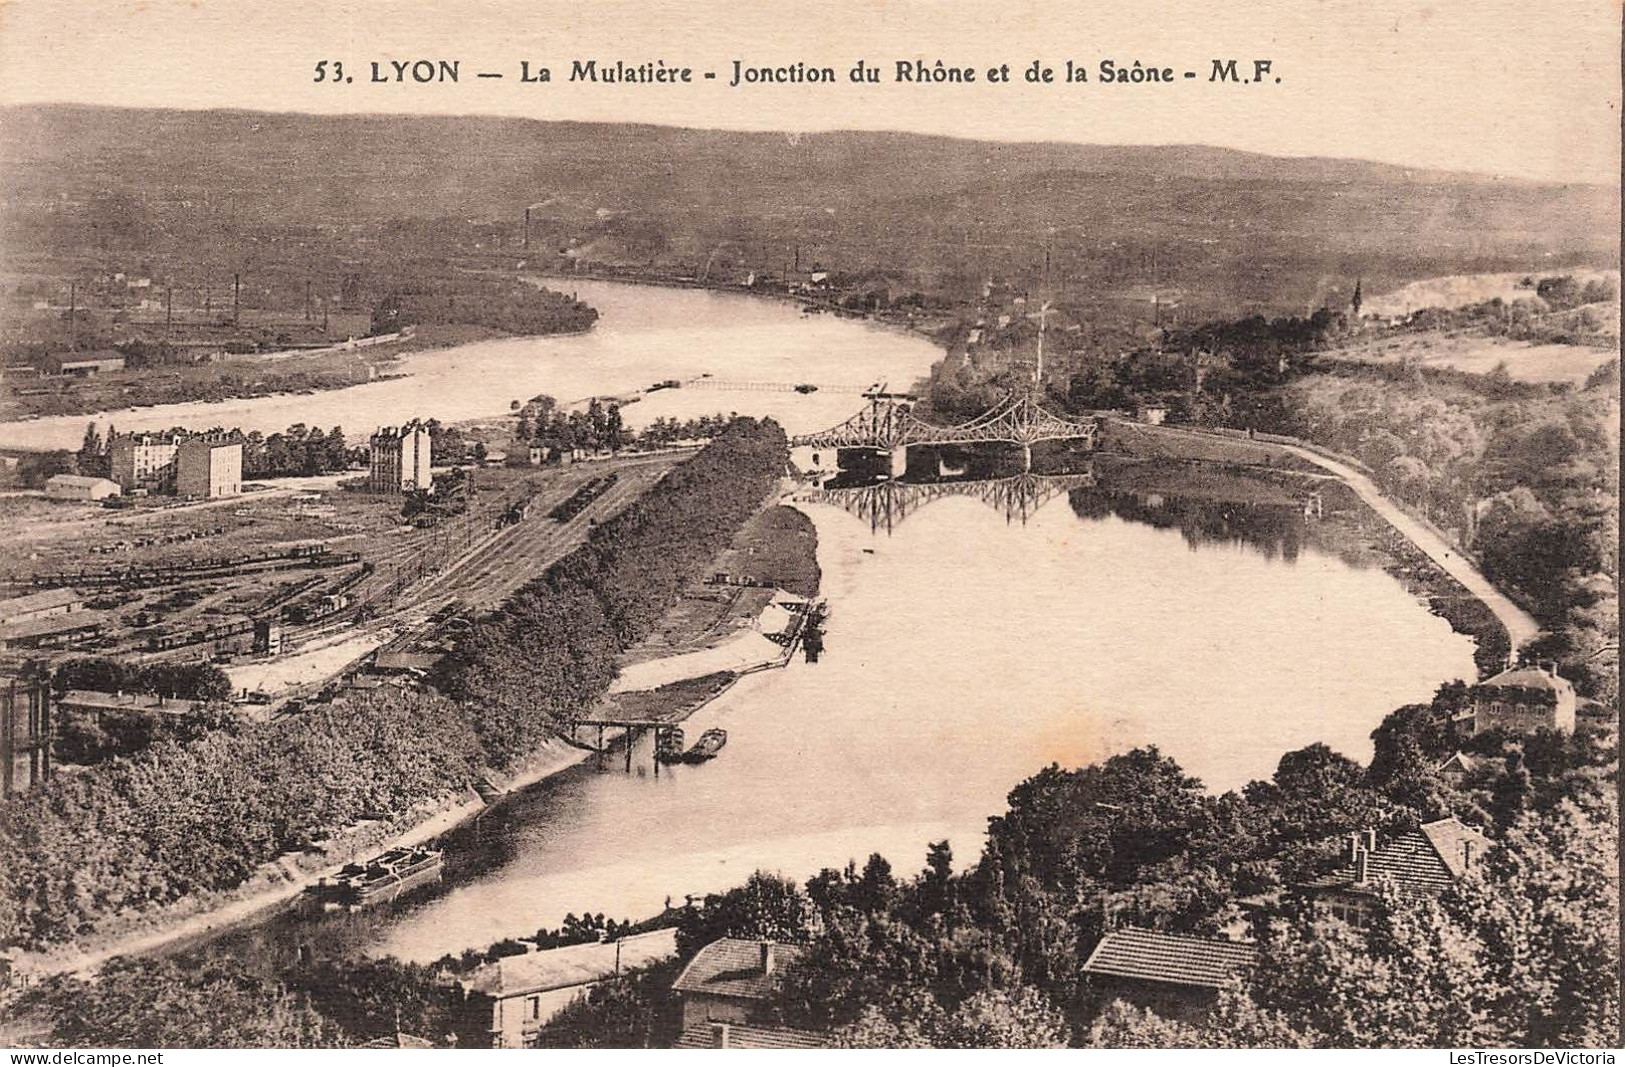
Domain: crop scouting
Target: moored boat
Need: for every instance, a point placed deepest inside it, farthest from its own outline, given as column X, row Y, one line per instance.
column 380, row 879
column 669, row 749
column 707, row 747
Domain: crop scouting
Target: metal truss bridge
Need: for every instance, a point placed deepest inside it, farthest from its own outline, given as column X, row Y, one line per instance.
column 887, row 425
column 886, row 504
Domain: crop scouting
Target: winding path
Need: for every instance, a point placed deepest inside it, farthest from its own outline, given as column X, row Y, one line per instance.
column 1520, row 626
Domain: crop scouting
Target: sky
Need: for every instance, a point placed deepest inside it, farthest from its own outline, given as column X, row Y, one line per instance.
column 1507, row 87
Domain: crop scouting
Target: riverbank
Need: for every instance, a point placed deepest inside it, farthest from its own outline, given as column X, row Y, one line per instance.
column 1448, row 582
column 274, row 885
column 299, row 374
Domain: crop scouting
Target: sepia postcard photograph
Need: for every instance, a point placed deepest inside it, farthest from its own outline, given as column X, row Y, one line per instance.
column 882, row 524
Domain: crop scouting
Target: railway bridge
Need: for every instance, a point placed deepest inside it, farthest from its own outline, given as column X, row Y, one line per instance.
column 889, row 425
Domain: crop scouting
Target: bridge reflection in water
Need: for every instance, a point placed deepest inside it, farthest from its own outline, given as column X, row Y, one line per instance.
column 885, row 504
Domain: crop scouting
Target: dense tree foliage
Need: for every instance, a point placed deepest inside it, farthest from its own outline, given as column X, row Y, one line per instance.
column 181, row 681
column 184, row 818
column 496, row 303
column 636, row 1010
column 1523, row 951
column 157, row 1003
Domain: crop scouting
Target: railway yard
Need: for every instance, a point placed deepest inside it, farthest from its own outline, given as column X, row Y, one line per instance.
column 292, row 566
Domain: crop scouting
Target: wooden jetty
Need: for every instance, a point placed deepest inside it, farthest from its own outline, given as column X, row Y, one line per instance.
column 664, row 709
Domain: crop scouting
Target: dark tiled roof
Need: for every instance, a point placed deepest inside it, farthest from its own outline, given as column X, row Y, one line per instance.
column 1178, row 959
column 1421, row 862
column 1526, row 678
column 733, row 968
column 731, row 1035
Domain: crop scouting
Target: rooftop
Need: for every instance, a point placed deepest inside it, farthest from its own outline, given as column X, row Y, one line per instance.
column 1467, row 764
column 43, row 601
column 733, row 968
column 573, row 965
column 406, row 661
column 1527, row 678
column 99, row 700
column 1421, row 862
column 1178, row 959
column 50, row 624
column 83, row 481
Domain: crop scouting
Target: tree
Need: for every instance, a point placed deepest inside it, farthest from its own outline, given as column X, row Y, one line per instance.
column 1522, row 951
column 998, row 1018
column 1123, row 1025
column 370, row 998
column 767, row 907
column 635, row 1009
column 90, row 458
column 144, row 1003
column 1016, row 1019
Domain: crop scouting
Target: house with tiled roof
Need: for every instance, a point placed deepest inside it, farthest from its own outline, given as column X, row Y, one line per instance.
column 1178, row 976
column 1524, row 700
column 1418, row 863
column 399, row 1039
column 735, row 1035
column 732, row 980
column 514, row 997
column 1461, row 766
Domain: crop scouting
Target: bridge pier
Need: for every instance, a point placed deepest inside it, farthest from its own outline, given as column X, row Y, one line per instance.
column 899, row 461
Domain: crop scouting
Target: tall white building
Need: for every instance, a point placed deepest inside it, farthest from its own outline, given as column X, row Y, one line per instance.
column 400, row 459
column 209, row 466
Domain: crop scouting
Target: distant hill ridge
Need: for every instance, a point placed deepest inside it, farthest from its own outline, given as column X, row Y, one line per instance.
column 862, row 199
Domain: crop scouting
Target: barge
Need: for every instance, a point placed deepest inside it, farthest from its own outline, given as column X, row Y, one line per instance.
column 379, row 880
column 707, row 747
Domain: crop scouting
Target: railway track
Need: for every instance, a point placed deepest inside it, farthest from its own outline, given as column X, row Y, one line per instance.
column 506, row 559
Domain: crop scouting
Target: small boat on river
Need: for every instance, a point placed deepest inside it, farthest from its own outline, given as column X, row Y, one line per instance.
column 707, row 747
column 380, row 879
column 669, row 749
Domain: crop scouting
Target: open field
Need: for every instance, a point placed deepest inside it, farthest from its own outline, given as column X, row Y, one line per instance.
column 1477, row 353
column 1459, row 290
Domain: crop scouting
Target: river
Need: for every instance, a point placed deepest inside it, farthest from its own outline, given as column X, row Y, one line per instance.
column 645, row 334
column 965, row 652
